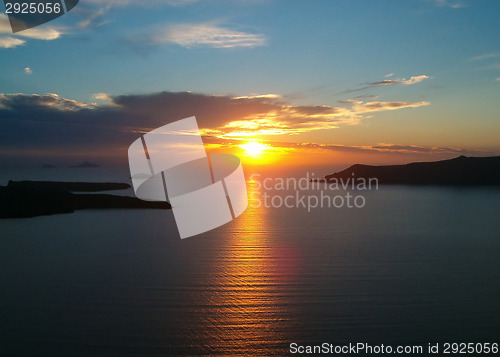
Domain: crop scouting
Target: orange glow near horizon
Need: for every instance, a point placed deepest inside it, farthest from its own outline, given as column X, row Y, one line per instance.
column 258, row 153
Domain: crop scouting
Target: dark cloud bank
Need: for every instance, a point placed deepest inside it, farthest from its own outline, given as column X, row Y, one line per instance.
column 47, row 128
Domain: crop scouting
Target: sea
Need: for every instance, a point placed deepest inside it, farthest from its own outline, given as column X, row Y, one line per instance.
column 413, row 266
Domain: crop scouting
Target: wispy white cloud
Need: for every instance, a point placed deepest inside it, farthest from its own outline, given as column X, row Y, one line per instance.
column 495, row 65
column 39, row 33
column 104, row 99
column 387, row 148
column 414, row 79
column 454, row 4
column 208, row 35
column 141, row 3
column 92, row 15
column 94, row 10
column 102, row 96
column 411, row 80
column 10, row 42
column 359, row 107
column 390, row 82
column 488, row 61
column 258, row 96
column 486, row 56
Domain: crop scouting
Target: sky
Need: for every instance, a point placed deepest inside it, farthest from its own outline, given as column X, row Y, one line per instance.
column 320, row 82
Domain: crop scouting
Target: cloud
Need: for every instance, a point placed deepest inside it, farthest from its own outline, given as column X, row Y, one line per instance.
column 254, row 96
column 15, row 102
column 49, row 119
column 489, row 61
column 52, row 125
column 450, row 4
column 411, row 80
column 414, row 79
column 41, row 33
column 265, row 115
column 102, row 96
column 382, row 148
column 28, row 70
column 390, row 82
column 485, row 56
column 10, row 42
column 498, row 78
column 94, row 10
column 415, row 149
column 385, row 82
column 370, row 107
column 13, row 40
column 495, row 65
column 104, row 99
column 208, row 35
column 141, row 3
column 91, row 16
column 370, row 96
column 47, row 128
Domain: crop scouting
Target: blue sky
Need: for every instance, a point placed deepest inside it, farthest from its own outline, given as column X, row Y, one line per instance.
column 438, row 60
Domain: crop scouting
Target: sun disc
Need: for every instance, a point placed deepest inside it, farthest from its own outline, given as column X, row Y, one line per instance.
column 253, row 148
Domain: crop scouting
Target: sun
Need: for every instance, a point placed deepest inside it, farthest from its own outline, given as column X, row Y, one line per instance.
column 254, row 148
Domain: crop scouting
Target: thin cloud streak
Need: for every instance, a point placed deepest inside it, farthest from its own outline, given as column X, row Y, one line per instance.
column 385, row 148
column 450, row 4
column 390, row 82
column 122, row 3
column 485, row 56
column 209, row 35
column 411, row 80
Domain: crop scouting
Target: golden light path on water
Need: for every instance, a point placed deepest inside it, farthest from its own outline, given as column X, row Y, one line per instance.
column 250, row 317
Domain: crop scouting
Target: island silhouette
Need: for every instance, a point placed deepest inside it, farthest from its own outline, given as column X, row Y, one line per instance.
column 23, row 199
column 467, row 171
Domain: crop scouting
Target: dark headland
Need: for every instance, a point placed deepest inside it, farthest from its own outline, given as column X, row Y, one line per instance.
column 21, row 199
column 466, row 171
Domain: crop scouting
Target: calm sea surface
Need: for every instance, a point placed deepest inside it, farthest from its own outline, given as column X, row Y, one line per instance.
column 415, row 265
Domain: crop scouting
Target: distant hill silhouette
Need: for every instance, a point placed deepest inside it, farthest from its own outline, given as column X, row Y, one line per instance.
column 36, row 198
column 69, row 186
column 459, row 171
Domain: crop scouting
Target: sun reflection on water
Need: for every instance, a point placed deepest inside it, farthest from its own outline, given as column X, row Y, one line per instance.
column 250, row 317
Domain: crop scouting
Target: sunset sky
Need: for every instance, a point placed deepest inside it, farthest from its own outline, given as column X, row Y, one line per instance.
column 276, row 82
